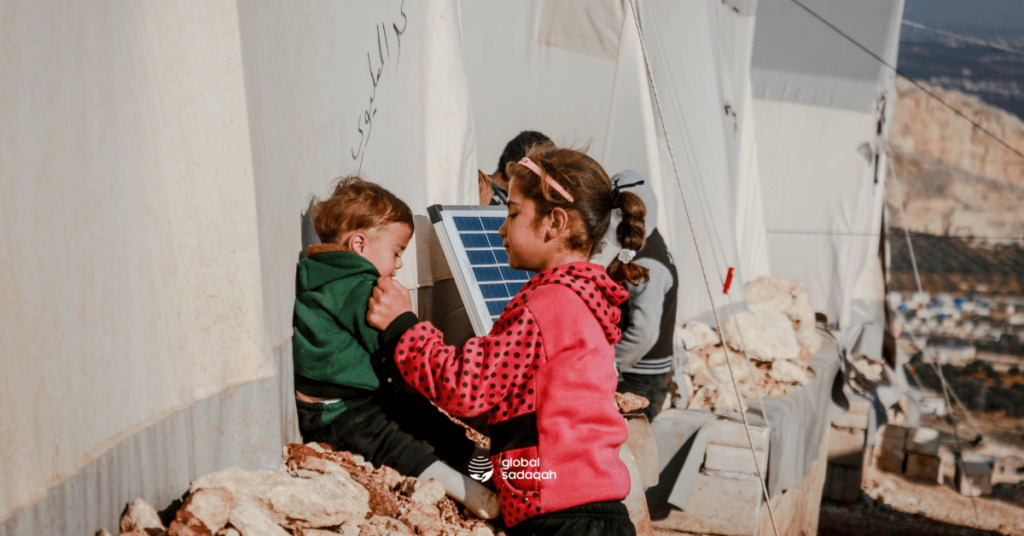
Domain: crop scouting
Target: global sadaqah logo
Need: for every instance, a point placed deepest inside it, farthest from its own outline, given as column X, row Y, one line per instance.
column 480, row 468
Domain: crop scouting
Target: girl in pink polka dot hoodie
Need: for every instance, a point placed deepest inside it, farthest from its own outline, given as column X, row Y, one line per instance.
column 544, row 376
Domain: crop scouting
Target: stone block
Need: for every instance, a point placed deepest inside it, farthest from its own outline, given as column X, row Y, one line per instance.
column 859, row 405
column 923, row 441
column 890, row 461
column 923, row 467
column 857, row 421
column 845, row 447
column 892, row 438
column 718, row 505
column 731, row 434
column 974, row 478
column 734, row 459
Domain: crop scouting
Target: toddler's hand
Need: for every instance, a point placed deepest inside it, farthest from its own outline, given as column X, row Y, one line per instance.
column 389, row 301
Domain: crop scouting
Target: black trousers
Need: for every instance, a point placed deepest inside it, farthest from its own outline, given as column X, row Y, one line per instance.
column 653, row 387
column 387, row 427
column 605, row 518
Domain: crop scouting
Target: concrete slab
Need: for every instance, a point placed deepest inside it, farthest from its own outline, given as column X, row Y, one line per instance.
column 731, row 434
column 718, row 505
column 923, row 441
column 734, row 459
column 846, row 447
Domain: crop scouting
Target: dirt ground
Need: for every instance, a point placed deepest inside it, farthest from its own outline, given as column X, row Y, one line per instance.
column 893, row 505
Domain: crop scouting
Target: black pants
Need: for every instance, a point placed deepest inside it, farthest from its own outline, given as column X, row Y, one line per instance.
column 653, row 387
column 398, row 429
column 606, row 518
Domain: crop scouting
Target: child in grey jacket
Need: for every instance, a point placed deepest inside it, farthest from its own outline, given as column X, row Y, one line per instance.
column 644, row 354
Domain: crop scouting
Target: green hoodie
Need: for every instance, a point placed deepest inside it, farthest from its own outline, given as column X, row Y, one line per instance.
column 333, row 343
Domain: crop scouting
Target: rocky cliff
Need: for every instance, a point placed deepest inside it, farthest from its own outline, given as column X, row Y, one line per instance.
column 954, row 179
column 924, row 127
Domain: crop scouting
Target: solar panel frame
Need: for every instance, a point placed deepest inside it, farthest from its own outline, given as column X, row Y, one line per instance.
column 479, row 264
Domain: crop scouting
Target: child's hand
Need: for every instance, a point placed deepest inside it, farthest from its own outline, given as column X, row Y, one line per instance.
column 389, row 301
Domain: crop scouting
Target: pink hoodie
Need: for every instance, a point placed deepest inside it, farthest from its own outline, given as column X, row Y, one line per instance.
column 545, row 377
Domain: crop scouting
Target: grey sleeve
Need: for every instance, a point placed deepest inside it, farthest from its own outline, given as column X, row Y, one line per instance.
column 645, row 307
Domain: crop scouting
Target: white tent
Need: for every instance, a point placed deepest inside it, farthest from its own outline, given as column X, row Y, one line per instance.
column 156, row 159
column 574, row 70
column 823, row 109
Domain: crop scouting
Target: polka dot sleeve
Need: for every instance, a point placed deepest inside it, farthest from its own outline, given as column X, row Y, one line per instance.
column 478, row 377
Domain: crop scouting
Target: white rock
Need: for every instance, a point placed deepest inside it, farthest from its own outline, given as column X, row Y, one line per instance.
column 250, row 520
column 681, row 337
column 716, row 356
column 763, row 335
column 320, row 501
column 140, row 515
column 212, row 506
column 316, row 446
column 309, row 464
column 725, row 400
column 229, row 531
column 423, row 491
column 703, row 378
column 481, row 530
column 695, row 362
column 787, row 297
column 720, row 374
column 701, row 334
column 788, row 372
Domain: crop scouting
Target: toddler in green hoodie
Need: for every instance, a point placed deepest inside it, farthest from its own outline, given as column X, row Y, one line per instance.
column 364, row 229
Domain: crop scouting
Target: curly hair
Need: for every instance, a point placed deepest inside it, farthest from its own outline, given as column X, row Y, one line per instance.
column 357, row 205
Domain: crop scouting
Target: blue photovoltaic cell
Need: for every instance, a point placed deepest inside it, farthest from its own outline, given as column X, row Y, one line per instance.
column 495, row 307
column 463, row 223
column 493, row 291
column 480, row 257
column 509, row 274
column 485, row 251
column 487, row 274
column 513, row 288
column 492, row 224
column 474, row 240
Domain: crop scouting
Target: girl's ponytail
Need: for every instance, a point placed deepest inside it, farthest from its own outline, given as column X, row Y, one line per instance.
column 630, row 234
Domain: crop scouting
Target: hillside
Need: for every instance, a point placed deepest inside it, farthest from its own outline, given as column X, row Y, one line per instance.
column 954, row 179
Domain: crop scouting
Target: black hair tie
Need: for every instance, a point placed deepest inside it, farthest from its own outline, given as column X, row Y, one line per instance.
column 617, row 191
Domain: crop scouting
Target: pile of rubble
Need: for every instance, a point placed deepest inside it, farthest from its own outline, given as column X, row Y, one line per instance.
column 777, row 335
column 317, row 492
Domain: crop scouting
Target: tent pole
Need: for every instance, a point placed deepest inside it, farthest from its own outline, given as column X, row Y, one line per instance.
column 707, row 284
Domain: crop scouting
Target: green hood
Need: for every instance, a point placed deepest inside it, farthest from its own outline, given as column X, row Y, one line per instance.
column 325, row 268
column 332, row 343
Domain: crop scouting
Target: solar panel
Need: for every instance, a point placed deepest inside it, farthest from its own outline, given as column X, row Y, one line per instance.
column 476, row 254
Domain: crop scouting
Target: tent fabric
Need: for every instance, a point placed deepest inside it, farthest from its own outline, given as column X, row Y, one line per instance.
column 241, row 426
column 168, row 152
column 520, row 82
column 823, row 108
column 132, row 284
column 343, row 88
column 797, row 58
column 817, row 224
column 736, row 40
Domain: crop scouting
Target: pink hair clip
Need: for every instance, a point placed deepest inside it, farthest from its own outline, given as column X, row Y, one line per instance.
column 547, row 178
